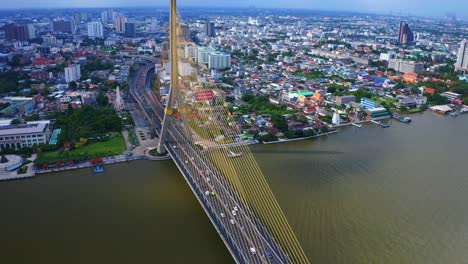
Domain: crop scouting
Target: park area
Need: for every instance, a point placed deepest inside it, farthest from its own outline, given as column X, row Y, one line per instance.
column 114, row 146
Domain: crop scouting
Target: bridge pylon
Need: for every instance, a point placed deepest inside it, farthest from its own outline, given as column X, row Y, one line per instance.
column 174, row 75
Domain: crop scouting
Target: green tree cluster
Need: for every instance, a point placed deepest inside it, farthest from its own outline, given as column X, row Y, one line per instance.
column 87, row 122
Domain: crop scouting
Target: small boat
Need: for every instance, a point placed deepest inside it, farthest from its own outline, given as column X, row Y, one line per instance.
column 454, row 114
column 464, row 110
column 98, row 169
column 385, row 125
column 404, row 119
column 234, row 155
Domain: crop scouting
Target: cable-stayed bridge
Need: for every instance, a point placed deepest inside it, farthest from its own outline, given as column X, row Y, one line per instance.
column 197, row 130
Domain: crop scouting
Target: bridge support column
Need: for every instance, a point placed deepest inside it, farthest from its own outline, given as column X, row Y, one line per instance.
column 174, row 76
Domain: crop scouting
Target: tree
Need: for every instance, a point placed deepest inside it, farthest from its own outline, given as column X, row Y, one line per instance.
column 15, row 61
column 269, row 137
column 280, row 123
column 73, row 85
column 15, row 121
column 102, row 100
column 33, row 117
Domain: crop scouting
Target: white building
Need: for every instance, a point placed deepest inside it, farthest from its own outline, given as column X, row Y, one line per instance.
column 219, row 61
column 21, row 136
column 191, row 51
column 95, row 30
column 406, row 66
column 203, row 55
column 72, row 73
column 388, row 56
column 462, row 57
column 49, row 39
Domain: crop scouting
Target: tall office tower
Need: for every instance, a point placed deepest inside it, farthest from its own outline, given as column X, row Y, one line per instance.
column 95, row 30
column 72, row 73
column 210, row 29
column 77, row 18
column 63, row 26
column 104, row 17
column 84, row 16
column 119, row 24
column 405, row 35
column 107, row 16
column 462, row 57
column 31, row 31
column 130, row 30
column 16, row 32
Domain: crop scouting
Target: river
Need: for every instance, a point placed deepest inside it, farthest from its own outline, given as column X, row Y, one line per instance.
column 363, row 195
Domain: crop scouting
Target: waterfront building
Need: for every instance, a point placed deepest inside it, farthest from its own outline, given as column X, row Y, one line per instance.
column 95, row 30
column 72, row 73
column 378, row 113
column 28, row 135
column 369, row 104
column 405, row 35
column 406, row 66
column 451, row 96
column 462, row 57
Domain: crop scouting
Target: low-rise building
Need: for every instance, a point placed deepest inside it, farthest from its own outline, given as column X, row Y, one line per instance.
column 28, row 135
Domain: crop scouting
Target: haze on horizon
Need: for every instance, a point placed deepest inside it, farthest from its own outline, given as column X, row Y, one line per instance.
column 414, row 7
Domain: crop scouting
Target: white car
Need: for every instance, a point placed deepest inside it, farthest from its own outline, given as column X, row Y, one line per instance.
column 222, row 215
column 236, row 209
column 253, row 250
column 232, row 221
column 207, row 193
column 234, row 213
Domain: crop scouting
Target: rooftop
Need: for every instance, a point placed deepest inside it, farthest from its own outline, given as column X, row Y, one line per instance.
column 23, row 129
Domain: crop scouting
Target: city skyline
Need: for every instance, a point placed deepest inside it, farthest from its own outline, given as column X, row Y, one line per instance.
column 415, row 7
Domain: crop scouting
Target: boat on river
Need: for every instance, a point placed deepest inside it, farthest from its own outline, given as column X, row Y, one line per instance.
column 98, row 169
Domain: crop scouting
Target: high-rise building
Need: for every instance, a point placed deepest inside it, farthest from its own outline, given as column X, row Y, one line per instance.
column 72, row 73
column 77, row 18
column 462, row 57
column 210, row 30
column 31, row 31
column 16, row 32
column 130, row 30
column 95, row 30
column 107, row 16
column 119, row 24
column 104, row 17
column 405, row 35
column 219, row 61
column 63, row 26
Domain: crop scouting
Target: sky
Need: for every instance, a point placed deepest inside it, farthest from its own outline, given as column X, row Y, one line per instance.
column 415, row 7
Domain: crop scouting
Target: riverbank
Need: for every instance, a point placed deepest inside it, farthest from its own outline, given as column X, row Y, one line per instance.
column 299, row 139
